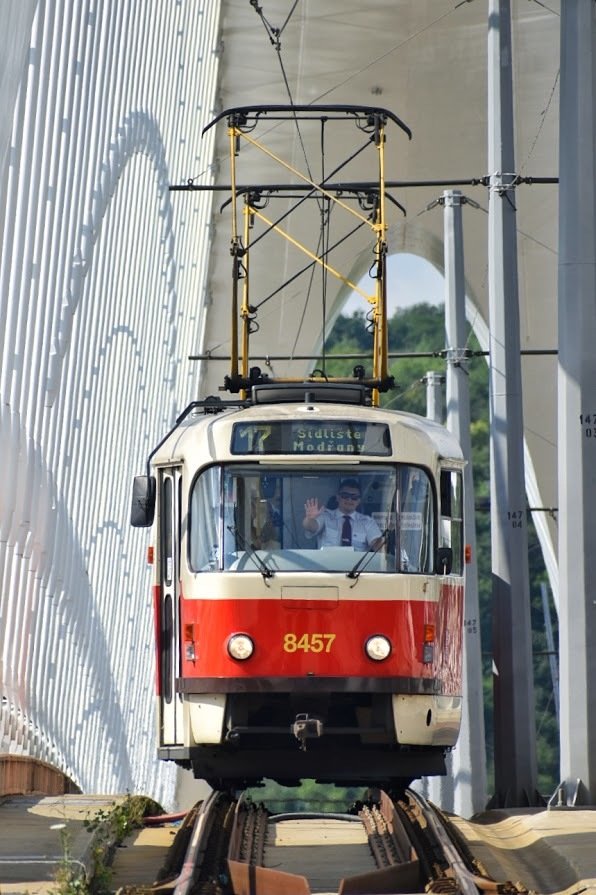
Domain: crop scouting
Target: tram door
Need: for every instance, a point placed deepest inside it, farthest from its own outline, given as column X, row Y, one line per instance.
column 170, row 721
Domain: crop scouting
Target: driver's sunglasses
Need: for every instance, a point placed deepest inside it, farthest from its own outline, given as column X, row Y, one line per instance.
column 348, row 495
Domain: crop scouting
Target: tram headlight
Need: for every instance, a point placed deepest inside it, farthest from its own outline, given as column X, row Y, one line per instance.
column 240, row 646
column 377, row 647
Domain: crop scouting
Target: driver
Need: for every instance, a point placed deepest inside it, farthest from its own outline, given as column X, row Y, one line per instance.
column 344, row 526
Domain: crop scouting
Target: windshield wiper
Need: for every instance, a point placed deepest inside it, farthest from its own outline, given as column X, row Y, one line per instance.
column 261, row 565
column 366, row 557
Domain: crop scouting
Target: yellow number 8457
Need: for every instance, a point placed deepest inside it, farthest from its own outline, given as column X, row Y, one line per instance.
column 310, row 643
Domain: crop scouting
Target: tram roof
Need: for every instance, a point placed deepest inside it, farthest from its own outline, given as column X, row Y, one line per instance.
column 213, row 432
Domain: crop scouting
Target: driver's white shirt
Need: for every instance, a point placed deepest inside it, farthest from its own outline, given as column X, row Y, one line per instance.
column 329, row 527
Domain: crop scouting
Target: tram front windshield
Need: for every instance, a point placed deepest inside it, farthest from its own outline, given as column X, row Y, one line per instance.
column 296, row 519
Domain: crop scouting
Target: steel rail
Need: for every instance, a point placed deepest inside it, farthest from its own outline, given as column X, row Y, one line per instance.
column 468, row 882
column 420, row 853
column 197, row 846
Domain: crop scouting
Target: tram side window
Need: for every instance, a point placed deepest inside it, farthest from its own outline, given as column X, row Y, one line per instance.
column 452, row 523
column 205, row 521
column 416, row 519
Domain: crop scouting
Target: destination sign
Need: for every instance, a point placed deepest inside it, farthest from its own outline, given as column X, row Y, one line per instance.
column 323, row 437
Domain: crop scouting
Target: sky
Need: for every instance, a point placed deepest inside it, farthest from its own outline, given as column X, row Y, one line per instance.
column 411, row 280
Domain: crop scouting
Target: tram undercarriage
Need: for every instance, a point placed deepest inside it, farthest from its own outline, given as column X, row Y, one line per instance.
column 346, row 738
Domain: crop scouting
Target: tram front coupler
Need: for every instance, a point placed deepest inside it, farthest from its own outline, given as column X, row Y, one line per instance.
column 306, row 727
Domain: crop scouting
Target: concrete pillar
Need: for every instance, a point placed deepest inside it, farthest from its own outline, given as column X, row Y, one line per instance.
column 577, row 403
column 515, row 736
column 469, row 758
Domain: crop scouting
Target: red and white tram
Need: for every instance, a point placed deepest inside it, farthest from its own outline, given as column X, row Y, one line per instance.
column 278, row 655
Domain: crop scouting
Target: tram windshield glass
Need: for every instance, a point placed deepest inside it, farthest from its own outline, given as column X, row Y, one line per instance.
column 250, row 517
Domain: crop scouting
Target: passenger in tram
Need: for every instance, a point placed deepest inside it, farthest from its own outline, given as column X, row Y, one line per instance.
column 266, row 515
column 342, row 526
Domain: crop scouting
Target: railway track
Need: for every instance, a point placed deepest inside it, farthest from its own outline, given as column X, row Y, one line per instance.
column 234, row 846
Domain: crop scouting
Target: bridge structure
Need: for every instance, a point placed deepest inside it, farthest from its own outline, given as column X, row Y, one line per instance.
column 110, row 282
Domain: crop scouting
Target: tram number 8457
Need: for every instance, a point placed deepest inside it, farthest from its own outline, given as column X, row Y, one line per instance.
column 310, row 643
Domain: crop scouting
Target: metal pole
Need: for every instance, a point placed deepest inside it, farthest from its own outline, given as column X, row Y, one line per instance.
column 434, row 396
column 469, row 758
column 577, row 419
column 550, row 646
column 515, row 735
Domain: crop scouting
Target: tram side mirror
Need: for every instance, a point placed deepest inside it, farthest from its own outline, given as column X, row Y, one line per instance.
column 143, row 501
column 444, row 561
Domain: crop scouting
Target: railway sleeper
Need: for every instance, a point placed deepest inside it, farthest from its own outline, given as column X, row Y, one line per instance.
column 396, row 868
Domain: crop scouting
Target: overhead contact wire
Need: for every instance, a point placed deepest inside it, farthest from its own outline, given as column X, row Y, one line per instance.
column 320, row 200
column 274, row 37
column 312, row 265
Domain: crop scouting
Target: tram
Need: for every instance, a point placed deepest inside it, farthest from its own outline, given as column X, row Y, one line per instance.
column 308, row 575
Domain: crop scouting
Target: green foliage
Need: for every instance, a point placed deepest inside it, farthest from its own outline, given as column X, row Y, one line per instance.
column 70, row 878
column 421, row 329
column 110, row 827
column 308, row 796
column 120, row 819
